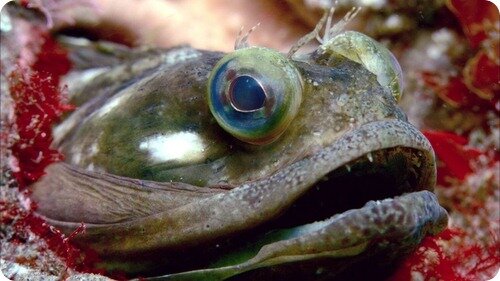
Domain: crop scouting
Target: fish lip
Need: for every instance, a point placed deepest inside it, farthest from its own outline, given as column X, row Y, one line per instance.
column 354, row 144
column 252, row 204
column 294, row 180
column 257, row 202
column 393, row 227
column 361, row 143
column 378, row 175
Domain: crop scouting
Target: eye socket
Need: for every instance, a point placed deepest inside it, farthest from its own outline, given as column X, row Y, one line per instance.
column 254, row 93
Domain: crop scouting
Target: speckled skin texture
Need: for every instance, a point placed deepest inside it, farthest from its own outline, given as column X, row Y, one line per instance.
column 185, row 217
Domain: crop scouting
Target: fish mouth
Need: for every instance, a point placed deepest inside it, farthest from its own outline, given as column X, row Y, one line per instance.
column 378, row 204
column 379, row 160
column 367, row 190
column 377, row 175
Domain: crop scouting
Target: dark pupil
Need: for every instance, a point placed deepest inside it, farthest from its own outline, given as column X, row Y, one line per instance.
column 246, row 94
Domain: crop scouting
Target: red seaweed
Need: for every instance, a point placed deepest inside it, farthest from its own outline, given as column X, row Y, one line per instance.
column 476, row 87
column 25, row 223
column 476, row 17
column 455, row 159
column 468, row 172
column 38, row 102
column 433, row 261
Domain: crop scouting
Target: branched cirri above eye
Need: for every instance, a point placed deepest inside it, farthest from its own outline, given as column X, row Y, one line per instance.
column 254, row 93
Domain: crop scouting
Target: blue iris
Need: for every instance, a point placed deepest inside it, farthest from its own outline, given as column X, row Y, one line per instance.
column 246, row 94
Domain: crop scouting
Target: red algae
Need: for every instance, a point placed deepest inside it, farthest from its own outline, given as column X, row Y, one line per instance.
column 468, row 187
column 468, row 173
column 442, row 258
column 53, row 249
column 476, row 86
column 36, row 108
column 476, row 17
column 454, row 158
column 457, row 159
column 469, row 248
column 37, row 103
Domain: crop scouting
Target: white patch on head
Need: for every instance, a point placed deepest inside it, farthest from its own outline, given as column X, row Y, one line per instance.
column 180, row 147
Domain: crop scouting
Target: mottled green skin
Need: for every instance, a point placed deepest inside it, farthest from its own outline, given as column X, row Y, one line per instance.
column 171, row 98
column 215, row 210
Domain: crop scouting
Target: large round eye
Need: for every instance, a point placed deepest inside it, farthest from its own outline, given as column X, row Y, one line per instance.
column 254, row 93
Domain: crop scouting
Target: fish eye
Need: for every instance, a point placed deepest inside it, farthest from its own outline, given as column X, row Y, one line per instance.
column 254, row 93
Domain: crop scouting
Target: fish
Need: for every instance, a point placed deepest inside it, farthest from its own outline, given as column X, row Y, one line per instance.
column 188, row 164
